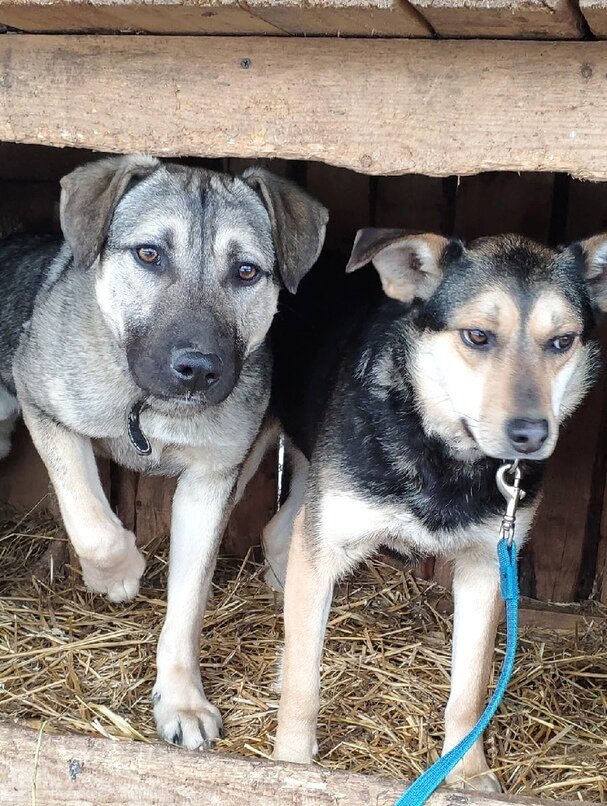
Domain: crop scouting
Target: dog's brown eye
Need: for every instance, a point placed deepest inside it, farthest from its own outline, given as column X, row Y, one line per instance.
column 562, row 343
column 247, row 272
column 149, row 255
column 475, row 338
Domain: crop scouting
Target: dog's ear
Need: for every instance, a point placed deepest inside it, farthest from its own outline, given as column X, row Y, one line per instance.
column 298, row 224
column 408, row 263
column 594, row 252
column 89, row 196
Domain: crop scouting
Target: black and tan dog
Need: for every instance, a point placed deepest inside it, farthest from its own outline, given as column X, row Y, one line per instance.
column 398, row 421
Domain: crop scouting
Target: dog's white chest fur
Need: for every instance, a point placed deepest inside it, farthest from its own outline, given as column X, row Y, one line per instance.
column 350, row 523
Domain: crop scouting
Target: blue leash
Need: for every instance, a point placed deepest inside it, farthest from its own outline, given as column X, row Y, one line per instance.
column 421, row 789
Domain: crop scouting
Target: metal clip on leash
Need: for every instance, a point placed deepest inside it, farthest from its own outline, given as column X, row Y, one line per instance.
column 421, row 789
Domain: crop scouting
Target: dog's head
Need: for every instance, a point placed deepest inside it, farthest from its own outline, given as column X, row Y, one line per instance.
column 188, row 264
column 498, row 341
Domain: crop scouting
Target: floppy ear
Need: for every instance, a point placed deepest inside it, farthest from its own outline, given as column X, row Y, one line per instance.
column 408, row 263
column 594, row 251
column 89, row 196
column 298, row 223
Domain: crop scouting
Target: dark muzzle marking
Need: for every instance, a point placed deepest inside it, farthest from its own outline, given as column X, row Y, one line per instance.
column 139, row 441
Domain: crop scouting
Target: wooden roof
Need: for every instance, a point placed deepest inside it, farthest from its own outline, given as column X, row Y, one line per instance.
column 518, row 19
column 378, row 86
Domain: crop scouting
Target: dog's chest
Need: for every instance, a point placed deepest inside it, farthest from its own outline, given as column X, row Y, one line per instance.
column 177, row 443
column 358, row 525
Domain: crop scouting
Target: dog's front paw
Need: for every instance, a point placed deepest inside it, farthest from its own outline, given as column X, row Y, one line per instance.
column 116, row 574
column 484, row 781
column 185, row 717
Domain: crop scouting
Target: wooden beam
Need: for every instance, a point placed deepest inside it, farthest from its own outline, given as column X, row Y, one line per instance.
column 341, row 17
column 380, row 107
column 508, row 19
column 76, row 770
column 197, row 17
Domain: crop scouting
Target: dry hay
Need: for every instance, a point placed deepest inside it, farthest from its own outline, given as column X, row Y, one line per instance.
column 71, row 661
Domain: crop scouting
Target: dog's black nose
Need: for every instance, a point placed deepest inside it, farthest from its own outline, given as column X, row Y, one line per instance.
column 197, row 371
column 527, row 436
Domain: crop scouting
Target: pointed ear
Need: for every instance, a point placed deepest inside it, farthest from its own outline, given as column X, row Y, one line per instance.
column 89, row 196
column 298, row 223
column 594, row 252
column 408, row 263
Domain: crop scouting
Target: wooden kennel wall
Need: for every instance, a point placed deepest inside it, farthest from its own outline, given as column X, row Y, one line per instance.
column 392, row 113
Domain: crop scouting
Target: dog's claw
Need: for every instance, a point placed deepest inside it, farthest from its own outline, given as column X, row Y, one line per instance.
column 189, row 720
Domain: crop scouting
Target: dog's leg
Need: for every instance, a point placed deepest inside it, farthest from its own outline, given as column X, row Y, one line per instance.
column 110, row 561
column 200, row 507
column 308, row 591
column 277, row 534
column 477, row 610
column 9, row 411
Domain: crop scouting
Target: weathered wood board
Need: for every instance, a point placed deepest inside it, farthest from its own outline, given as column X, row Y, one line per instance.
column 206, row 17
column 509, row 19
column 314, row 17
column 381, row 107
column 81, row 771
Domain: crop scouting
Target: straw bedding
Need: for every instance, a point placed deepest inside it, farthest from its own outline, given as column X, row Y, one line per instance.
column 71, row 661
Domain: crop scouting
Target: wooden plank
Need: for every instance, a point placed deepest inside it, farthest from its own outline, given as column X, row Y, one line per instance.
column 595, row 13
column 343, row 18
column 143, row 503
column 587, row 216
column 416, row 202
column 366, row 105
column 498, row 203
column 317, row 17
column 509, row 19
column 346, row 195
column 157, row 16
column 24, row 482
column 75, row 770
